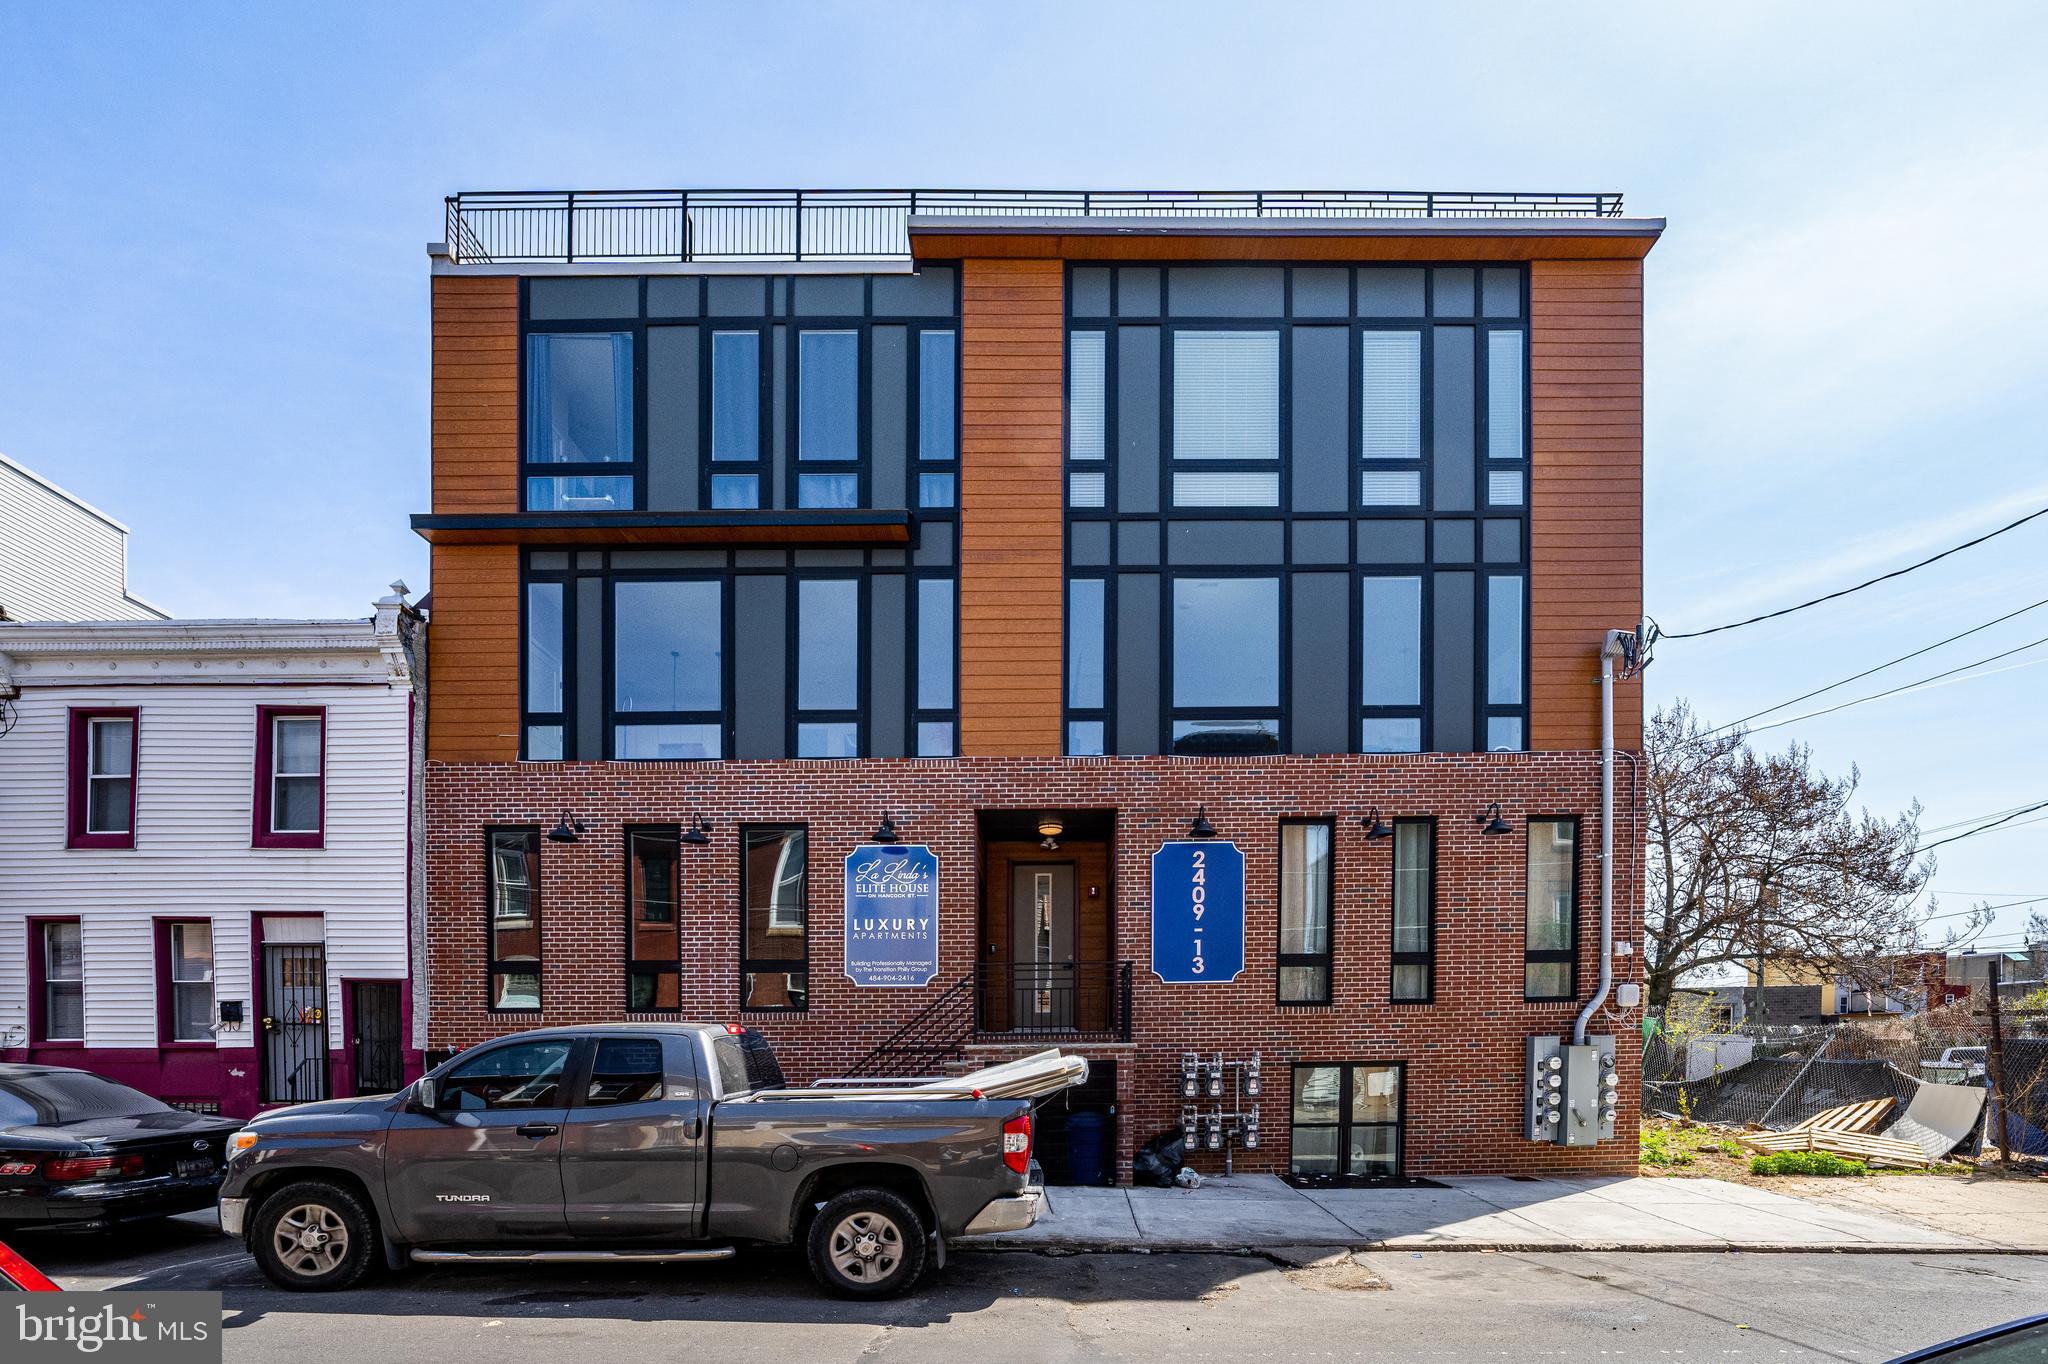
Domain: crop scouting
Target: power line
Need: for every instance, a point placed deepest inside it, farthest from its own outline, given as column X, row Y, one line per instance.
column 1972, row 819
column 1903, row 686
column 1882, row 577
column 1986, row 828
column 1882, row 666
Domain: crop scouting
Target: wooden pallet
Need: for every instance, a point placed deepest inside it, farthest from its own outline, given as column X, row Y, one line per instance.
column 1852, row 1145
column 1856, row 1117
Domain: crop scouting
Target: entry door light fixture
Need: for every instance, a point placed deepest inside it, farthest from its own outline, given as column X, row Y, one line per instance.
column 1375, row 827
column 568, row 829
column 699, row 832
column 1495, row 824
column 1050, row 827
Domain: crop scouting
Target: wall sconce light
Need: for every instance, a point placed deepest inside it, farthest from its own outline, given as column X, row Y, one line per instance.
column 1495, row 825
column 1375, row 827
column 1199, row 826
column 886, row 833
column 699, row 832
column 1050, row 827
column 568, row 829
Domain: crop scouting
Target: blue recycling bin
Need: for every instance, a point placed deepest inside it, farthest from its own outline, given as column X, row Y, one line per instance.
column 1087, row 1147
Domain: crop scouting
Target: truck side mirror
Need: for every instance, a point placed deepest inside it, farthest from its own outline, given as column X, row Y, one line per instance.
column 423, row 1095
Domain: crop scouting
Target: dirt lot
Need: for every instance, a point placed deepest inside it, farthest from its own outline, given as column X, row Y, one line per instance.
column 1681, row 1150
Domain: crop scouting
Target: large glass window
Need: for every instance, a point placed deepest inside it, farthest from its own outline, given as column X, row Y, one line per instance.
column 1503, row 662
column 1390, row 631
column 828, row 668
column 668, row 673
column 1414, row 941
column 63, row 950
column 1226, row 665
column 1504, row 390
column 1087, row 645
column 774, row 914
column 1087, row 413
column 736, row 397
column 546, row 704
column 935, row 654
column 653, row 949
column 937, row 404
column 1347, row 1121
column 190, row 958
column 828, row 389
column 1390, row 407
column 513, row 896
column 1304, row 957
column 1226, row 395
column 579, row 397
column 1550, row 947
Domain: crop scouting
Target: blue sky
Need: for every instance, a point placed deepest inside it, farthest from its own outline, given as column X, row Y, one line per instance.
column 213, row 222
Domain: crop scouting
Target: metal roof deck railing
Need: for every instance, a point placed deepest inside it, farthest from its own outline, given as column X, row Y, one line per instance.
column 572, row 226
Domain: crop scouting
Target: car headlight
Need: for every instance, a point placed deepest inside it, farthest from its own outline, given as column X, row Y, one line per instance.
column 240, row 1142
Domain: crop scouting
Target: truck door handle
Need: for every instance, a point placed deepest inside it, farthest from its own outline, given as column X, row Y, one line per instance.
column 693, row 1128
column 537, row 1129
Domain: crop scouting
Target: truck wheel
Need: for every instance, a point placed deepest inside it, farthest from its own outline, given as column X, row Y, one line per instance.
column 867, row 1243
column 313, row 1236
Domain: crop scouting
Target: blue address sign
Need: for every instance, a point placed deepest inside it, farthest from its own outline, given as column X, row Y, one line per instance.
column 1197, row 912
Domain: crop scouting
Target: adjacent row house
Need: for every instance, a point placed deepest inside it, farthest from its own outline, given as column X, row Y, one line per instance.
column 206, row 871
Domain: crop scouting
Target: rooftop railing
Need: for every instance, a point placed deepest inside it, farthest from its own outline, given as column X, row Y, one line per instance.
column 570, row 226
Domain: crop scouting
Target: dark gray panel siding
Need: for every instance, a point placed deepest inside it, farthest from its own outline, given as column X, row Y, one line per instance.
column 672, row 418
column 888, row 408
column 1322, row 419
column 1451, row 466
column 1226, row 291
column 591, row 740
column 888, row 651
column 1137, row 663
column 1137, row 411
column 928, row 293
column 1322, row 663
column 759, row 676
column 567, row 300
column 1453, row 661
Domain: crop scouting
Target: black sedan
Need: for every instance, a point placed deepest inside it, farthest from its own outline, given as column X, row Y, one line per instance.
column 78, row 1150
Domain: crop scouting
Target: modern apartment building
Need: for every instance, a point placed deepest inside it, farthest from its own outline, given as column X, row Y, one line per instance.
column 208, row 865
column 931, row 627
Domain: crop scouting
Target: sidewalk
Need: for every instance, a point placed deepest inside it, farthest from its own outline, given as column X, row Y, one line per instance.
column 1260, row 1212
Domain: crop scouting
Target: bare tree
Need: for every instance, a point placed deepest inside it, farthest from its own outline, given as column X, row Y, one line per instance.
column 1759, row 856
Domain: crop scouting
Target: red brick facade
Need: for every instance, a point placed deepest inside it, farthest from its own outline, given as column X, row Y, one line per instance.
column 1463, row 1052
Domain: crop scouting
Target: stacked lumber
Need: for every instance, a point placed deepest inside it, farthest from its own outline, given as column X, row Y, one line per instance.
column 1846, row 1131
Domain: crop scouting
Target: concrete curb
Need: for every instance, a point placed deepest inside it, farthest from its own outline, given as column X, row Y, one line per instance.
column 1279, row 1251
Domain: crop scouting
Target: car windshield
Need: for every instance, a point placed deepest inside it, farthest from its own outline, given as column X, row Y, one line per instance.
column 70, row 1096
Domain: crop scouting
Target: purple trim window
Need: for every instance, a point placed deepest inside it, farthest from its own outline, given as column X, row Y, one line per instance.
column 184, row 982
column 100, row 801
column 291, row 777
column 56, row 981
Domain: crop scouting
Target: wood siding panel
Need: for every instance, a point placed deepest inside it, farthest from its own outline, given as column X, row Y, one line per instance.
column 473, row 698
column 476, row 394
column 1619, row 248
column 1586, row 494
column 1012, row 508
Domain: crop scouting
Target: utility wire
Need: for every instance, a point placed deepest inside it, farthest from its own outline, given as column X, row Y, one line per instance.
column 1986, row 828
column 1904, row 686
column 1882, row 577
column 1972, row 819
column 1881, row 667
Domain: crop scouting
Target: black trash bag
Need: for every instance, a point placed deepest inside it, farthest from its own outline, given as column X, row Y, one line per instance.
column 1159, row 1160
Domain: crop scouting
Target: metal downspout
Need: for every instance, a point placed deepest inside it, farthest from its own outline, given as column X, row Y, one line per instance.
column 1610, row 650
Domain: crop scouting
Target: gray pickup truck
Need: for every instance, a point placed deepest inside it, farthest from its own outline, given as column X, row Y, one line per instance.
column 637, row 1142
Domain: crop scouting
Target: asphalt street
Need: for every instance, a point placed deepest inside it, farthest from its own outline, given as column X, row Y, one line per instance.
column 994, row 1307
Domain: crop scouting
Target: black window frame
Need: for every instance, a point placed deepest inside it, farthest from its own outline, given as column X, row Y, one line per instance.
column 1170, row 458
column 1104, row 713
column 1171, row 711
column 634, row 967
column 562, row 720
column 913, row 637
column 761, row 467
column 494, row 966
column 773, row 966
column 722, row 718
column 1568, row 956
column 859, row 467
column 1324, row 960
column 1424, row 959
column 633, row 468
column 1344, row 1125
column 795, row 714
column 1425, row 673
column 914, row 427
column 1112, row 320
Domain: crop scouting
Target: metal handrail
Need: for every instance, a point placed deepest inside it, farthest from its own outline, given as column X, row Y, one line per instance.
column 1068, row 998
column 681, row 225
